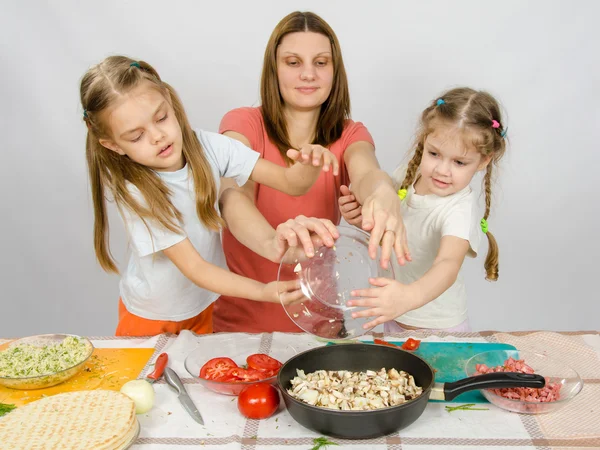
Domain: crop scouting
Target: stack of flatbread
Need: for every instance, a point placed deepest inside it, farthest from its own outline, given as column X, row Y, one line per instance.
column 98, row 420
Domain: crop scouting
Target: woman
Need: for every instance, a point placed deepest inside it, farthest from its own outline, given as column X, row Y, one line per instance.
column 305, row 105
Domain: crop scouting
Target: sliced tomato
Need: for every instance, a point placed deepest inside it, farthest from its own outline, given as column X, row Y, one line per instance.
column 217, row 368
column 382, row 342
column 270, row 373
column 411, row 344
column 241, row 374
column 227, row 379
column 260, row 361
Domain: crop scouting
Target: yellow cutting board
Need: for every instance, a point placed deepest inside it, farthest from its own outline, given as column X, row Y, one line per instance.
column 107, row 368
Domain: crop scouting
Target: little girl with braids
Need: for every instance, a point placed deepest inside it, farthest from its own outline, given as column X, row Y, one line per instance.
column 460, row 134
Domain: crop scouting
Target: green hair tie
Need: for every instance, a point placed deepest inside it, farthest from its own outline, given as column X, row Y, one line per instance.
column 135, row 64
column 484, row 225
column 402, row 194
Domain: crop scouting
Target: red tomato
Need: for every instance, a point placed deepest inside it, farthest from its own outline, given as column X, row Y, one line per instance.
column 241, row 374
column 411, row 344
column 216, row 368
column 382, row 342
column 260, row 361
column 258, row 401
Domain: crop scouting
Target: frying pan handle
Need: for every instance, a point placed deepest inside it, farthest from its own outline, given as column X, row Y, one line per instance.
column 497, row 380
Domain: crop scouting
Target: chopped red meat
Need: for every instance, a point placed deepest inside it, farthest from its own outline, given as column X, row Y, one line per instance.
column 549, row 393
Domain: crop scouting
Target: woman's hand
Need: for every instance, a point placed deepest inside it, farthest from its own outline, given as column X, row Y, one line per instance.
column 309, row 232
column 374, row 189
column 381, row 216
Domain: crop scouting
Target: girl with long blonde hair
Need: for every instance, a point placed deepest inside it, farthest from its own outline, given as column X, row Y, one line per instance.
column 164, row 177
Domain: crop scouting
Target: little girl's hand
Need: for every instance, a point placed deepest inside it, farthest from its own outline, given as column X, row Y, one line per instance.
column 282, row 291
column 315, row 155
column 388, row 300
column 349, row 207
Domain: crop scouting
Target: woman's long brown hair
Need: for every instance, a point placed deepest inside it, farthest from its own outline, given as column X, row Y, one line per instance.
column 334, row 111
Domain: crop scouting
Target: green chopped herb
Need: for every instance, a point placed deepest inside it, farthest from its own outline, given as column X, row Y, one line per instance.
column 5, row 408
column 467, row 407
column 321, row 442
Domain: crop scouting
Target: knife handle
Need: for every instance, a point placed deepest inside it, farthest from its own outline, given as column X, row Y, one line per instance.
column 159, row 366
column 173, row 380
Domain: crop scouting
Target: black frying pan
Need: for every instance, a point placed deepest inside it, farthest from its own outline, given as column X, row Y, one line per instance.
column 379, row 422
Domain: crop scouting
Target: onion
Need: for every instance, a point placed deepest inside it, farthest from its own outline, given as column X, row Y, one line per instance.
column 142, row 394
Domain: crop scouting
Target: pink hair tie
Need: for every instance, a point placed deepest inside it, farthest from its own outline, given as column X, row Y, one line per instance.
column 495, row 124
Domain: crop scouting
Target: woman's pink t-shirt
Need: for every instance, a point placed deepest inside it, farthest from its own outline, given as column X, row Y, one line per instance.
column 242, row 315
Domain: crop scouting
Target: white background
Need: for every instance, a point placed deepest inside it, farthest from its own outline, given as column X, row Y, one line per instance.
column 540, row 58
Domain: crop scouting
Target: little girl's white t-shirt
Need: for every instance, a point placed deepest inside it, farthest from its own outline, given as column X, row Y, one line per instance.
column 427, row 219
column 152, row 286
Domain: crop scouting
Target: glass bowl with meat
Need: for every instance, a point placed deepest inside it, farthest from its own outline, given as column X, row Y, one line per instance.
column 563, row 383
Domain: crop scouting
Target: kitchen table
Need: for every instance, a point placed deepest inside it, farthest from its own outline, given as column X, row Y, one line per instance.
column 168, row 426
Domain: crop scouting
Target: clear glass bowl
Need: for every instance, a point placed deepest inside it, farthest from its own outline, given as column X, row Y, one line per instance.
column 51, row 379
column 236, row 348
column 326, row 280
column 554, row 371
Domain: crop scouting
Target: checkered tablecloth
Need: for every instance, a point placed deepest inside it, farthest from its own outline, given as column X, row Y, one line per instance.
column 167, row 425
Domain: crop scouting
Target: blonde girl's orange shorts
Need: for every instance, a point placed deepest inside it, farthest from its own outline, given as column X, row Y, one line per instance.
column 132, row 325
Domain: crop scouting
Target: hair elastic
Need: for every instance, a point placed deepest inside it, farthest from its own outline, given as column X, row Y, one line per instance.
column 440, row 101
column 135, row 64
column 402, row 194
column 484, row 225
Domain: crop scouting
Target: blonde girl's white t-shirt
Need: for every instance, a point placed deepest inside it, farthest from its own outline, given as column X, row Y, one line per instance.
column 427, row 219
column 152, row 286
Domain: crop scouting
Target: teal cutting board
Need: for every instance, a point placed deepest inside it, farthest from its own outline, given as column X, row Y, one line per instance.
column 449, row 359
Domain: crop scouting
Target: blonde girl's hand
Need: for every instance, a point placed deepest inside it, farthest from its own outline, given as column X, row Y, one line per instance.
column 282, row 291
column 309, row 232
column 315, row 155
column 349, row 207
column 386, row 301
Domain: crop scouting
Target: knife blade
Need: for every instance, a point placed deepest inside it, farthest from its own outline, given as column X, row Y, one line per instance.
column 174, row 381
column 159, row 367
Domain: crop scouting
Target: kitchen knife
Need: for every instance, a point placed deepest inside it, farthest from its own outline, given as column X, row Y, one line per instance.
column 174, row 381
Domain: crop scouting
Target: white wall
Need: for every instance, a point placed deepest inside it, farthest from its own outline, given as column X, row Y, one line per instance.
column 540, row 58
